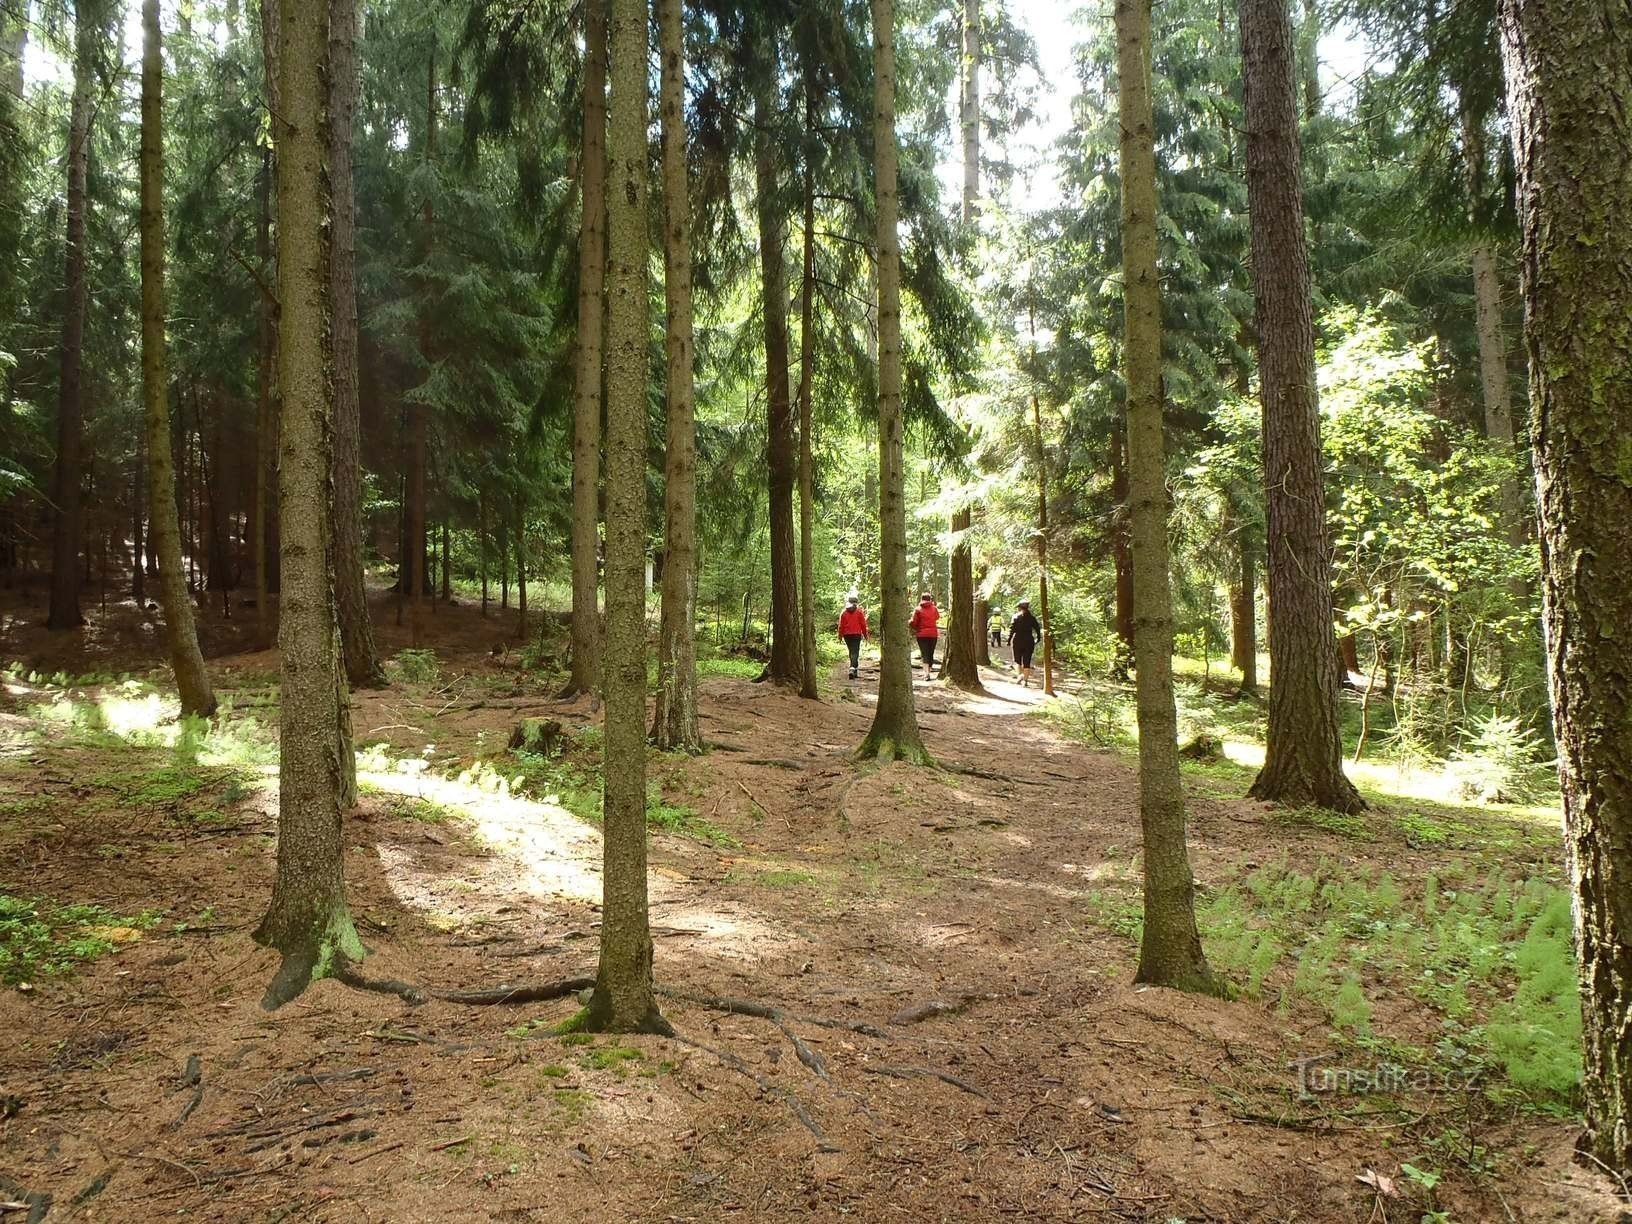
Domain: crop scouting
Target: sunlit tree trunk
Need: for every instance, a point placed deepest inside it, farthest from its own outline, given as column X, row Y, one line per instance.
column 1569, row 88
column 363, row 668
column 586, row 413
column 674, row 724
column 894, row 733
column 65, row 547
column 781, row 449
column 1170, row 953
column 192, row 682
column 308, row 921
column 1304, row 757
column 624, row 998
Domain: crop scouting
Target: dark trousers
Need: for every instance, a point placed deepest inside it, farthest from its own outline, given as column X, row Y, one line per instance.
column 853, row 641
column 926, row 649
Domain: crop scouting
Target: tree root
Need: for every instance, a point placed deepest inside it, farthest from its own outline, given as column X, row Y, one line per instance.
column 538, row 992
column 944, row 1007
column 962, row 1085
column 794, row 1104
column 765, row 1011
column 969, row 771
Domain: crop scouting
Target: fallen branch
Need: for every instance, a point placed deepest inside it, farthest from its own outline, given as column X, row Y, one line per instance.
column 962, row 1085
column 414, row 996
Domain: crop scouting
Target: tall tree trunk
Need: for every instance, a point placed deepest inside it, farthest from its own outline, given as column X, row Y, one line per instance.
column 1304, row 759
column 362, row 658
column 807, row 388
column 1244, row 607
column 781, row 448
column 1170, row 952
column 967, row 631
column 586, row 412
column 192, row 682
column 624, row 998
column 894, row 732
column 218, row 553
column 65, row 550
column 1569, row 86
column 674, row 723
column 417, row 413
column 308, row 921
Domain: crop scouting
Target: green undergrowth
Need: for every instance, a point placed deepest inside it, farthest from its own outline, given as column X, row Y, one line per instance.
column 41, row 939
column 1484, row 957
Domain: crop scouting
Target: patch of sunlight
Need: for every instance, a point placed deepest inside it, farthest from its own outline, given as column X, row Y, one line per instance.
column 1099, row 871
column 558, row 855
column 139, row 717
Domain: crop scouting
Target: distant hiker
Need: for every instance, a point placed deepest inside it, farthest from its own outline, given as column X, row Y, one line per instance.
column 994, row 626
column 853, row 629
column 1024, row 632
column 926, row 619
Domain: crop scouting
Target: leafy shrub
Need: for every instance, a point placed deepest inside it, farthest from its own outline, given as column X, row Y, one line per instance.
column 1537, row 1034
column 1500, row 762
column 419, row 666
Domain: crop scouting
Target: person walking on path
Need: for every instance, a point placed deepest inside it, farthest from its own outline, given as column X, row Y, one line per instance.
column 1024, row 632
column 853, row 629
column 926, row 619
column 994, row 626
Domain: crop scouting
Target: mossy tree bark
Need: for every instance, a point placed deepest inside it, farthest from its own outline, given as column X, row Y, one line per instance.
column 894, row 734
column 363, row 667
column 308, row 921
column 1304, row 754
column 192, row 681
column 1170, row 954
column 624, row 999
column 1569, row 87
column 781, row 447
column 586, row 412
column 674, row 722
column 63, row 612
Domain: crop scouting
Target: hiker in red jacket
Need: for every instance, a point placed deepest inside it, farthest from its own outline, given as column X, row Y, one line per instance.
column 926, row 619
column 853, row 629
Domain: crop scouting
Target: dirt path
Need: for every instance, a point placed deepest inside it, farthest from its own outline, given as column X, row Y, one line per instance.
column 962, row 916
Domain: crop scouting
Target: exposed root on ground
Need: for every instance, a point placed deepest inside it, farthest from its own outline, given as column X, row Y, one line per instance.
column 945, row 1077
column 728, row 1059
column 951, row 1007
column 535, row 992
column 765, row 1011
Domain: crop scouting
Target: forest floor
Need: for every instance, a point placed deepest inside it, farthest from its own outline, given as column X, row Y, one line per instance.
column 978, row 920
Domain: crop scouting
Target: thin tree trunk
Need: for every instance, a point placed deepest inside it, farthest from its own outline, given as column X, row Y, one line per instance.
column 967, row 649
column 674, row 722
column 65, row 553
column 218, row 553
column 1304, row 758
column 624, row 999
column 362, row 657
column 1170, row 952
column 481, row 541
column 1569, row 85
column 1042, row 518
column 192, row 682
column 1121, row 550
column 1244, row 608
column 138, row 536
column 807, row 370
column 586, row 414
column 266, row 403
column 307, row 921
column 417, row 412
column 894, row 732
column 447, row 565
column 521, row 569
column 781, row 448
